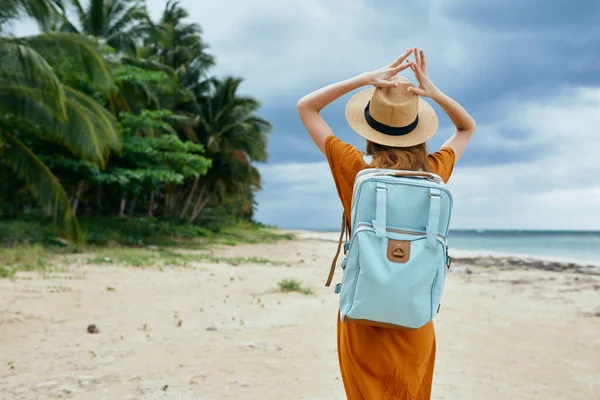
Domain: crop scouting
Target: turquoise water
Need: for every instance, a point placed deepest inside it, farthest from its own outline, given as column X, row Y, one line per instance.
column 547, row 244
column 553, row 245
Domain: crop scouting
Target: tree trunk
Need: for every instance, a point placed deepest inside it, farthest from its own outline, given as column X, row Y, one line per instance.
column 175, row 202
column 151, row 205
column 199, row 207
column 132, row 205
column 166, row 206
column 99, row 199
column 200, row 204
column 80, row 186
column 123, row 204
column 188, row 201
column 48, row 209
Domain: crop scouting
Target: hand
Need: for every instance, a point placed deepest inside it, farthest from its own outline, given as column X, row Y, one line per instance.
column 381, row 77
column 426, row 87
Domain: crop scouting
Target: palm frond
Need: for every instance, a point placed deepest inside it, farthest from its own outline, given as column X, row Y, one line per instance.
column 10, row 11
column 96, row 18
column 109, row 134
column 81, row 13
column 29, row 104
column 80, row 50
column 21, row 66
column 42, row 182
column 91, row 131
column 122, row 17
column 147, row 64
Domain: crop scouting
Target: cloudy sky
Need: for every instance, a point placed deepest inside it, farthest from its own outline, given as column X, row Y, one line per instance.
column 528, row 72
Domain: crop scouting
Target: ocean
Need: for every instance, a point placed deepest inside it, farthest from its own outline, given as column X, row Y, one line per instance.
column 559, row 245
column 570, row 246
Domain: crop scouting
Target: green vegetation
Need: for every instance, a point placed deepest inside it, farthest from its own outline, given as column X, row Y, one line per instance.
column 292, row 285
column 161, row 257
column 22, row 258
column 138, row 232
column 114, row 133
column 28, row 245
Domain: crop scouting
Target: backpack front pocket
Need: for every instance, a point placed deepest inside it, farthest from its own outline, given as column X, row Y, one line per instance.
column 390, row 280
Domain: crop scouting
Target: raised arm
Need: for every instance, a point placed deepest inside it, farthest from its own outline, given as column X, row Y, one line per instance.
column 310, row 106
column 464, row 123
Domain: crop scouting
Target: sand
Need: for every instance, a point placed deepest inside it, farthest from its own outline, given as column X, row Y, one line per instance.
column 507, row 330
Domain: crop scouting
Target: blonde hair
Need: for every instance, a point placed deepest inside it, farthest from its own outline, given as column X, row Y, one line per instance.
column 412, row 158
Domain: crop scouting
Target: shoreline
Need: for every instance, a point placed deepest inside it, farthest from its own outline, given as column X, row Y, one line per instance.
column 486, row 257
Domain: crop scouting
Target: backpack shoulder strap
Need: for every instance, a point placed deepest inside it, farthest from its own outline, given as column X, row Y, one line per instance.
column 337, row 253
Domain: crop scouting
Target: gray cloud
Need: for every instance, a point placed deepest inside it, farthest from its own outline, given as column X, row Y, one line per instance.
column 525, row 16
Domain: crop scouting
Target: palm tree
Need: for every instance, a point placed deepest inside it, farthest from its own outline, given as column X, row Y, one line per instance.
column 234, row 136
column 43, row 11
column 32, row 95
column 118, row 23
column 179, row 45
column 9, row 11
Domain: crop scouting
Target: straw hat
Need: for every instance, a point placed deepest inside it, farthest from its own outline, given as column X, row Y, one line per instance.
column 392, row 116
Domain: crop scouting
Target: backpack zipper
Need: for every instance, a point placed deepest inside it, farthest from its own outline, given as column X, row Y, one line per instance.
column 405, row 232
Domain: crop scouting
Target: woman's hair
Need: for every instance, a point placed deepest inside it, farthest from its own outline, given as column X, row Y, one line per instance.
column 407, row 158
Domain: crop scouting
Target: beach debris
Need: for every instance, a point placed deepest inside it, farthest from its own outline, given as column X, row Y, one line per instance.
column 11, row 364
column 93, row 329
column 212, row 328
column 165, row 387
column 110, row 289
column 594, row 313
column 260, row 346
column 66, row 390
column 242, row 382
column 519, row 281
column 179, row 323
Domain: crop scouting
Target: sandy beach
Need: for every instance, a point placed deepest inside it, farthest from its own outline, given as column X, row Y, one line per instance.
column 216, row 328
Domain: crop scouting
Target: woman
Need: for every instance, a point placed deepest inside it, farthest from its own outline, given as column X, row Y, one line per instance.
column 380, row 363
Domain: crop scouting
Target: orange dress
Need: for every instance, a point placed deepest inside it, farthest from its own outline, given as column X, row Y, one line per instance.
column 380, row 363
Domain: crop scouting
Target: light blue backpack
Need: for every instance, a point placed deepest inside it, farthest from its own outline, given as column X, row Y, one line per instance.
column 396, row 259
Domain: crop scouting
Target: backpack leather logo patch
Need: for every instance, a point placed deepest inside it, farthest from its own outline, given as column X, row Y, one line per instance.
column 398, row 251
